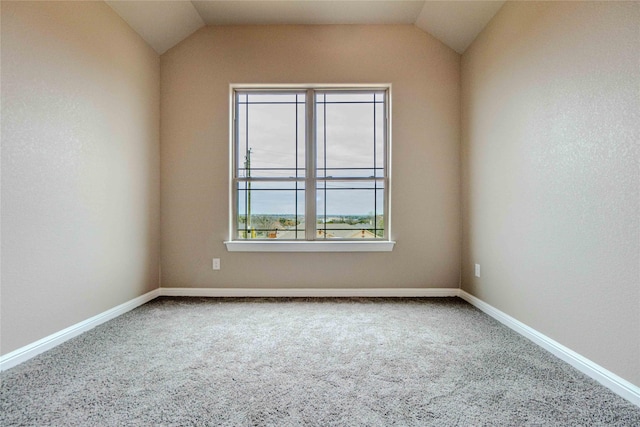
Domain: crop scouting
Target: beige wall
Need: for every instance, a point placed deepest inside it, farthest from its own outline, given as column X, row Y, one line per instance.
column 551, row 189
column 80, row 166
column 195, row 152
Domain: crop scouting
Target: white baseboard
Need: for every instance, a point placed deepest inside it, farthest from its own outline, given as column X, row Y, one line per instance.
column 610, row 380
column 25, row 353
column 308, row 292
column 607, row 378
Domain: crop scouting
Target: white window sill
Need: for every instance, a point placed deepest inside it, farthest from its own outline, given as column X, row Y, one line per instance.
column 306, row 246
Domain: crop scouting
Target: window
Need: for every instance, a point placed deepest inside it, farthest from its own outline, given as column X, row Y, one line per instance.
column 310, row 164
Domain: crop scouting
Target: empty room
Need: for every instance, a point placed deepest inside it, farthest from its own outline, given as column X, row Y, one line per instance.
column 283, row 213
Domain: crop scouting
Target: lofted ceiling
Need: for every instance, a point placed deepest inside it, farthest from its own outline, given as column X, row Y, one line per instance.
column 163, row 24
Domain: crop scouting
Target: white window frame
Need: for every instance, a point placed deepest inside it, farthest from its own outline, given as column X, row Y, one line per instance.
column 233, row 244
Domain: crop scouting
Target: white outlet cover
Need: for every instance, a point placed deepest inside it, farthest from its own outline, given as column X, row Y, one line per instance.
column 477, row 270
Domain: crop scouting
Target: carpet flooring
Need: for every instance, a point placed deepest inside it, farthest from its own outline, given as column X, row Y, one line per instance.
column 304, row 361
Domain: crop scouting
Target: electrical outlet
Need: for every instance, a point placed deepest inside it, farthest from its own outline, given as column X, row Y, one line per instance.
column 477, row 270
column 216, row 263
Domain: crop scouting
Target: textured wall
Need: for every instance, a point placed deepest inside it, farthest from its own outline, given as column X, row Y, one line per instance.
column 195, row 152
column 551, row 189
column 80, row 166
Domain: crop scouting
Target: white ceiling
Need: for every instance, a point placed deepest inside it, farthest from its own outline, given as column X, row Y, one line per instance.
column 163, row 24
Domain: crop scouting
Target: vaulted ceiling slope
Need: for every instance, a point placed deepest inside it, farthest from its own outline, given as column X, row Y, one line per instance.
column 163, row 24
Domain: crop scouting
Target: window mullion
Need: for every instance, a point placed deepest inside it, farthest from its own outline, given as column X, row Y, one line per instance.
column 310, row 182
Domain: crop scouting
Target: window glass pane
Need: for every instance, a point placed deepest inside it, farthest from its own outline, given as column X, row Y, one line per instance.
column 353, row 96
column 270, row 141
column 270, row 210
column 350, row 134
column 350, row 209
column 269, row 97
column 380, row 138
column 270, row 135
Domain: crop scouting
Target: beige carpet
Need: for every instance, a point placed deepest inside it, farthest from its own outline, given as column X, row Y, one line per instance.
column 317, row 362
